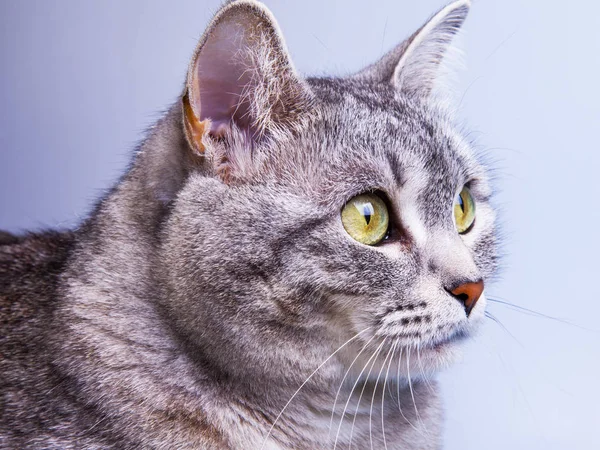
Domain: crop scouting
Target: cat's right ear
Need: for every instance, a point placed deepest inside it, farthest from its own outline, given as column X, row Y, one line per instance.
column 241, row 86
column 413, row 66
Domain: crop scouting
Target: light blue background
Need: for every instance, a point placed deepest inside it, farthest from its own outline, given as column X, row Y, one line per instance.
column 81, row 80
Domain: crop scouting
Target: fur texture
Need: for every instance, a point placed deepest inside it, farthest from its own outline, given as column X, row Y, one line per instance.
column 216, row 276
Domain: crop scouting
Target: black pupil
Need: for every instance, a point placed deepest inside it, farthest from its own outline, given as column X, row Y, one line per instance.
column 368, row 211
column 461, row 202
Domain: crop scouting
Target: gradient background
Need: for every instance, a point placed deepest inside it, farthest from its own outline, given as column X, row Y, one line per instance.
column 81, row 80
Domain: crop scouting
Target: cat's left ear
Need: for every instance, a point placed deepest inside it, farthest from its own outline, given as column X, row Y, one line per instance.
column 241, row 84
column 413, row 65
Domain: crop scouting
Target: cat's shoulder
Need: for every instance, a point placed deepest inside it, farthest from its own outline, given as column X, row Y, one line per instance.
column 21, row 253
column 30, row 266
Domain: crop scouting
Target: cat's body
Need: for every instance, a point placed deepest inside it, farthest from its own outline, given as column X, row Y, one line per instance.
column 215, row 278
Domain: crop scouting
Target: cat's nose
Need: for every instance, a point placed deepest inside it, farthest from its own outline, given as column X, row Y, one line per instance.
column 467, row 293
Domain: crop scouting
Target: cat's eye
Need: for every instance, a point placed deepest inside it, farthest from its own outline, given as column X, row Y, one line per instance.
column 366, row 219
column 464, row 211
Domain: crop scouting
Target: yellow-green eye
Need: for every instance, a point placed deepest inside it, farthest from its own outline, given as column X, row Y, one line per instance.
column 366, row 219
column 464, row 211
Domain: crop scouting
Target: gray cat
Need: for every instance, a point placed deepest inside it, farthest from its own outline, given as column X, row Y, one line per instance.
column 284, row 266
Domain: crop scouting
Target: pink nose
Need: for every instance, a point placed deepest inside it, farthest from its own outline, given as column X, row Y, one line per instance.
column 468, row 294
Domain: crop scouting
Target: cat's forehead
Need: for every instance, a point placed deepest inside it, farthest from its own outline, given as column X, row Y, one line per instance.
column 368, row 136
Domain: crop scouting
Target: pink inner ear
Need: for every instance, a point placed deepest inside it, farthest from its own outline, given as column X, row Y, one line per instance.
column 221, row 76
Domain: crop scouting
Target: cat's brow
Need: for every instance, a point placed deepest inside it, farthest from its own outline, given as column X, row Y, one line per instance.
column 396, row 169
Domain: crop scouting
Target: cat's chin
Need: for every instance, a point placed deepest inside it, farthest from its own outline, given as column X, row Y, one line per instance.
column 438, row 357
column 407, row 362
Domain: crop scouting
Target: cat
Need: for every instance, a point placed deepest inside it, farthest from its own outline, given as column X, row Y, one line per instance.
column 285, row 265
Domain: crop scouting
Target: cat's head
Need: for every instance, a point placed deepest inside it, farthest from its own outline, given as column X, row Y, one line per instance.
column 323, row 209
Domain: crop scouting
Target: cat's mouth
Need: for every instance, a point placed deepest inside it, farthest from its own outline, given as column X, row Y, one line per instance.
column 436, row 353
column 409, row 359
column 432, row 337
column 453, row 338
column 414, row 340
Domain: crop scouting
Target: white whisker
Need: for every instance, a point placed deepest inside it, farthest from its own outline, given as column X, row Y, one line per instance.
column 306, row 381
column 425, row 377
column 350, row 396
column 373, row 397
column 342, row 383
column 363, row 390
column 398, row 388
column 412, row 393
column 383, row 394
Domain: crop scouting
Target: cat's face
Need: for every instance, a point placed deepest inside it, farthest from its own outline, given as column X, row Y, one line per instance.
column 362, row 210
